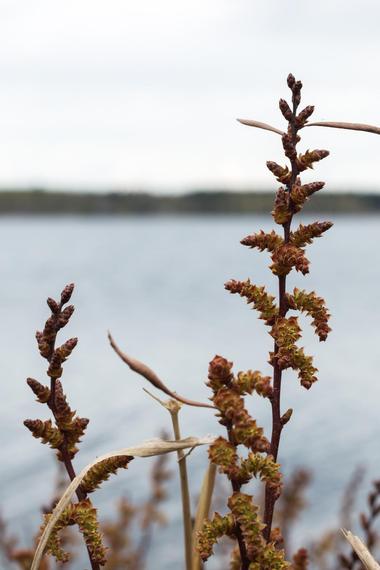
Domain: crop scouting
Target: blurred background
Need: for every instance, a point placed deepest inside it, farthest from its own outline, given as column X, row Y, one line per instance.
column 124, row 170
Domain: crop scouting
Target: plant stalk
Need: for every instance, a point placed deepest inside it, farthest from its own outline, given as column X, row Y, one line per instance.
column 173, row 406
column 203, row 509
column 65, row 456
column 277, row 424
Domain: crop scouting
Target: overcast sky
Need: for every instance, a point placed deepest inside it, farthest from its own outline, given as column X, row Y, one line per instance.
column 144, row 94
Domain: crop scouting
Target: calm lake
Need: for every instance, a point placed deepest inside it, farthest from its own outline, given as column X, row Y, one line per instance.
column 157, row 284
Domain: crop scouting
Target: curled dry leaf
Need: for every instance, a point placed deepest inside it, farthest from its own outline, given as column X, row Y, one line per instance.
column 145, row 449
column 152, row 377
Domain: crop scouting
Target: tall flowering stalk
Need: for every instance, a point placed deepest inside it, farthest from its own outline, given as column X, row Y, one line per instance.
column 63, row 433
column 288, row 252
column 258, row 546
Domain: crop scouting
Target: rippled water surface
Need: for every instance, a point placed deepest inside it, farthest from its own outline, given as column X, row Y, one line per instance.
column 157, row 284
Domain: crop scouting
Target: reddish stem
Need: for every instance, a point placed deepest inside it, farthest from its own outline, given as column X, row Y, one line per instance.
column 64, row 449
column 277, row 425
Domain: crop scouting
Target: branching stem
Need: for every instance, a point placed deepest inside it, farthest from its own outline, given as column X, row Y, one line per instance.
column 277, row 424
column 64, row 450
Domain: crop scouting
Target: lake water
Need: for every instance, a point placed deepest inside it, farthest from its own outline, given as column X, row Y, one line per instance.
column 157, row 284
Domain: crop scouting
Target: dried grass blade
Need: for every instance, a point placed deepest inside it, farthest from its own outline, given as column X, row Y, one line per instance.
column 174, row 408
column 349, row 126
column 203, row 509
column 146, row 449
column 260, row 125
column 361, row 550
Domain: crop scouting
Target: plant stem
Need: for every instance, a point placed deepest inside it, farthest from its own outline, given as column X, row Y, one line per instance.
column 173, row 406
column 64, row 451
column 203, row 509
column 277, row 424
column 70, row 467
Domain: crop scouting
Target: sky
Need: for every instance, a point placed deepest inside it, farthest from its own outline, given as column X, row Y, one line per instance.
column 144, row 94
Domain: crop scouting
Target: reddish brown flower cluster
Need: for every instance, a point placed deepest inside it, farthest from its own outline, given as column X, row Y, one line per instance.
column 69, row 428
column 305, row 234
column 84, row 515
column 65, row 433
column 243, row 523
column 255, row 539
column 101, row 472
column 313, row 306
column 257, row 296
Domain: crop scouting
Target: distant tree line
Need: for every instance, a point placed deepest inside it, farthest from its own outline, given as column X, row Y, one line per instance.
column 200, row 202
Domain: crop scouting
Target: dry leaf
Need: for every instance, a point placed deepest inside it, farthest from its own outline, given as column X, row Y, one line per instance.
column 146, row 449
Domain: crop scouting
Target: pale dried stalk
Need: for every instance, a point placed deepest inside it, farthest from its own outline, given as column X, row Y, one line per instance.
column 349, row 126
column 173, row 408
column 332, row 124
column 361, row 550
column 203, row 510
column 152, row 377
column 147, row 449
column 260, row 125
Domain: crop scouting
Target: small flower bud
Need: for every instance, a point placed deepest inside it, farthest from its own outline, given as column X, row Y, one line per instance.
column 307, row 159
column 303, row 116
column 64, row 414
column 66, row 349
column 35, row 426
column 297, row 93
column 283, row 174
column 64, row 317
column 43, row 345
column 66, row 293
column 42, row 392
column 285, row 110
column 53, row 305
column 289, row 147
column 55, row 368
column 286, row 417
column 291, row 80
column 220, row 370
